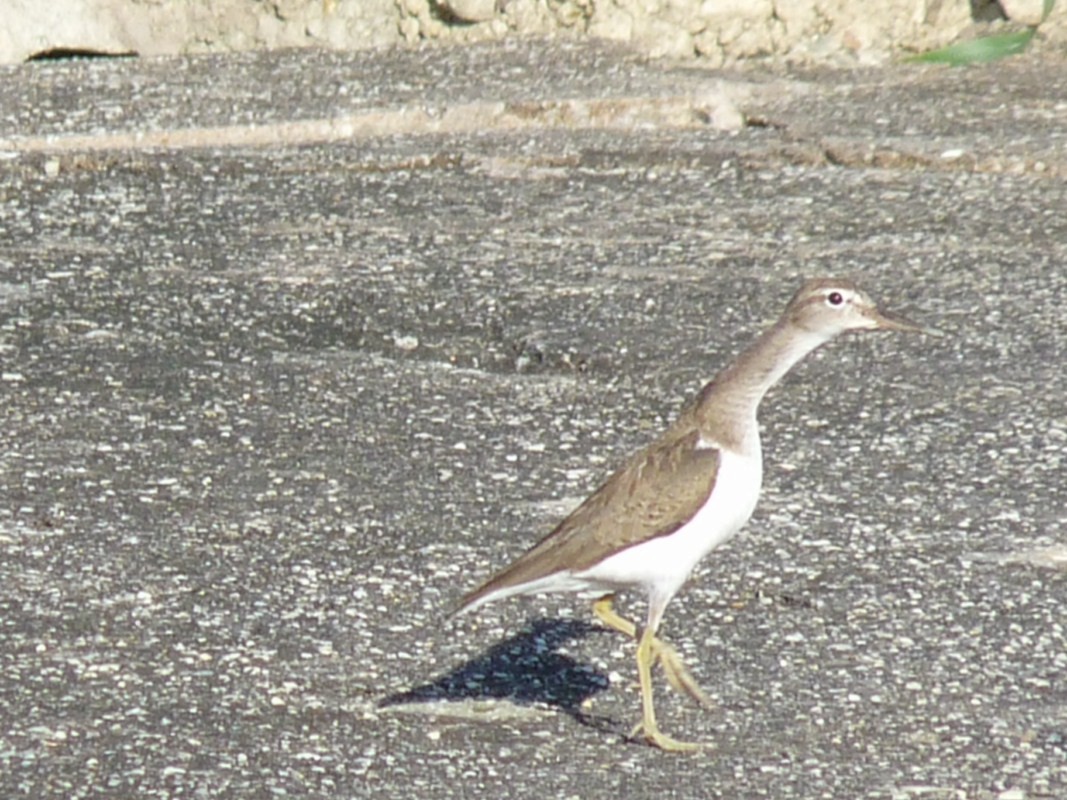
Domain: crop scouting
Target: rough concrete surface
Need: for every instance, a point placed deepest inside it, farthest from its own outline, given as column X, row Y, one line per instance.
column 716, row 31
column 275, row 392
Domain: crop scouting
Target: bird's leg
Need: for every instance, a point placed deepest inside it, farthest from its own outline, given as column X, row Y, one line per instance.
column 646, row 654
column 678, row 675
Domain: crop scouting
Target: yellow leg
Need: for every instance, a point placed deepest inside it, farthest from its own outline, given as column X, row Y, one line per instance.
column 648, row 727
column 678, row 675
column 649, row 650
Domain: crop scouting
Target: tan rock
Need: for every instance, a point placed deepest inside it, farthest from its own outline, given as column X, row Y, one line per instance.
column 1027, row 12
column 662, row 39
column 31, row 27
column 471, row 10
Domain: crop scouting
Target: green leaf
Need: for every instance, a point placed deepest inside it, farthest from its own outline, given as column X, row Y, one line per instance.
column 989, row 48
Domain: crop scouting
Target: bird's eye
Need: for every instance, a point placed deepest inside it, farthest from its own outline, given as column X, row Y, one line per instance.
column 835, row 298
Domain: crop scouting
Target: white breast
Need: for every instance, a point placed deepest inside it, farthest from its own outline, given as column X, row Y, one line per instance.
column 661, row 565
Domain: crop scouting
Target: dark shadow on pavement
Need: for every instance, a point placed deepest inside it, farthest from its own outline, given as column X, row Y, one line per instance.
column 525, row 669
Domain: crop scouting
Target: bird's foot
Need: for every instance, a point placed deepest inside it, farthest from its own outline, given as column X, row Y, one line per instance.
column 678, row 674
column 654, row 737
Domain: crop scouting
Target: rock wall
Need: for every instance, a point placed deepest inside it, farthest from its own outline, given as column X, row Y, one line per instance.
column 717, row 31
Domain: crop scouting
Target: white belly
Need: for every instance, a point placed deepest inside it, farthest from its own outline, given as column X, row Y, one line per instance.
column 661, row 565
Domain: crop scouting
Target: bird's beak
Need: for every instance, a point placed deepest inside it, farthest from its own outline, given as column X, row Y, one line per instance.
column 887, row 321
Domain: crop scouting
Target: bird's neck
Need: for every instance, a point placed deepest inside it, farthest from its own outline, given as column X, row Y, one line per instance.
column 726, row 408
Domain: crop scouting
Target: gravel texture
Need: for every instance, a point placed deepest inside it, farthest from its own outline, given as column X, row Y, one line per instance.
column 268, row 411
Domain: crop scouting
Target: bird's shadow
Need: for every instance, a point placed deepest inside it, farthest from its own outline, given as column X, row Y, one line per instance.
column 525, row 669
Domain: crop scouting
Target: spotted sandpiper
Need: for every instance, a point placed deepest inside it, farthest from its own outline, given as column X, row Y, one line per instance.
column 683, row 495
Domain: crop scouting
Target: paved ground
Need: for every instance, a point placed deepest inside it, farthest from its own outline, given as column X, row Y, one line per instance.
column 270, row 404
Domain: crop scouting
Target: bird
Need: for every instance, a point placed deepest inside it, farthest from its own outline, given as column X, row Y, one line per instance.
column 686, row 493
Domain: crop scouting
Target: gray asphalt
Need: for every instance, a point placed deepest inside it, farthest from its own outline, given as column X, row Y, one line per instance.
column 267, row 411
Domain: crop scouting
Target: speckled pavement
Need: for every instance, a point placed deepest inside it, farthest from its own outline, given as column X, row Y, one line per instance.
column 297, row 347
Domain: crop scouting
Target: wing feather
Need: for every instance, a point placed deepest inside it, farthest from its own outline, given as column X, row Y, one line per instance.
column 656, row 492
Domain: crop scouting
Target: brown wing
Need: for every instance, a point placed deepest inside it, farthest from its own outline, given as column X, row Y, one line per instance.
column 656, row 492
